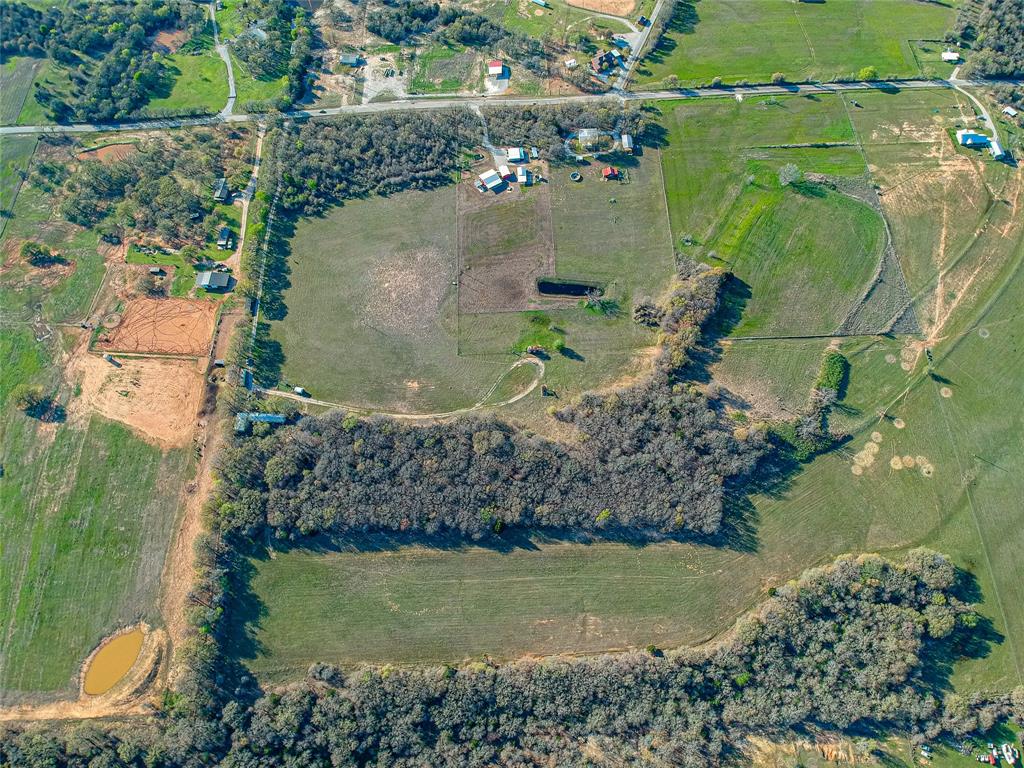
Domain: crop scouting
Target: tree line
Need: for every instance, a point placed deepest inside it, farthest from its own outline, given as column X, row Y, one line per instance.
column 852, row 644
column 995, row 31
column 654, row 456
column 104, row 47
column 278, row 40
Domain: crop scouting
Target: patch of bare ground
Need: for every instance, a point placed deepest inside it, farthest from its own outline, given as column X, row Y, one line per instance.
column 162, row 326
column 622, row 8
column 110, row 153
column 764, row 753
column 406, row 293
column 157, row 398
column 134, row 694
column 505, row 242
column 169, row 41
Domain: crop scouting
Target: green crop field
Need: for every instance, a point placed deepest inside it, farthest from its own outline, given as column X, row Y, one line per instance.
column 738, row 40
column 955, row 432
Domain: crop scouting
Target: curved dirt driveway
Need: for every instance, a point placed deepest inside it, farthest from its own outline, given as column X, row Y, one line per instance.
column 479, row 405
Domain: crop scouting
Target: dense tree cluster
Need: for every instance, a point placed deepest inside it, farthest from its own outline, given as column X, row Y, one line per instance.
column 653, row 456
column 401, row 20
column 849, row 644
column 324, row 163
column 996, row 33
column 547, row 127
column 104, row 44
column 278, row 40
column 458, row 26
column 165, row 188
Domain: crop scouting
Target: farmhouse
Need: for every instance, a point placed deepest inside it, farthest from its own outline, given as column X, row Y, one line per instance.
column 496, row 68
column 516, row 154
column 950, row 57
column 969, row 138
column 491, row 179
column 224, row 238
column 221, row 191
column 604, row 61
column 213, row 281
column 627, row 143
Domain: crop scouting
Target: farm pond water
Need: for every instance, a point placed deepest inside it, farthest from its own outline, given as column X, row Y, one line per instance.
column 112, row 662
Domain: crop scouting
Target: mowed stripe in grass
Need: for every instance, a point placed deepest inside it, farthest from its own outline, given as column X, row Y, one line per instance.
column 739, row 40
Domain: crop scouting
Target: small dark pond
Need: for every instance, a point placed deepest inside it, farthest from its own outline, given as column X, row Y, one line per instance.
column 549, row 286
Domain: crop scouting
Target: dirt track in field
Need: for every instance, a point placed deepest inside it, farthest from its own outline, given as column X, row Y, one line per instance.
column 162, row 327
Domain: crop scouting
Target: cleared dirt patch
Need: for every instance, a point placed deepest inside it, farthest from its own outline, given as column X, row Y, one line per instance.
column 614, row 7
column 406, row 293
column 157, row 398
column 163, row 327
column 169, row 41
column 505, row 244
column 111, row 153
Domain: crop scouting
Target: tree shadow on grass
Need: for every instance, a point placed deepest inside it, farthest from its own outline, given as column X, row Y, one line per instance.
column 683, row 21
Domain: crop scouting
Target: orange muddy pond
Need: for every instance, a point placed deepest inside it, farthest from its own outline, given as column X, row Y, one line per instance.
column 112, row 662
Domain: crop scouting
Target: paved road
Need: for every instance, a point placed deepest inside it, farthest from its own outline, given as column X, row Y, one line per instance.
column 638, row 49
column 433, row 103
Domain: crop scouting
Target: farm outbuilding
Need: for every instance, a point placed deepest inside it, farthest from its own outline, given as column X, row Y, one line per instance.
column 496, row 68
column 505, row 173
column 996, row 150
column 350, row 59
column 610, row 173
column 523, row 176
column 224, row 238
column 213, row 281
column 1009, row 111
column 969, row 138
column 491, row 179
column 627, row 143
column 950, row 57
column 516, row 154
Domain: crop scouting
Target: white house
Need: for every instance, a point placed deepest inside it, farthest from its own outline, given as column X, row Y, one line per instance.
column 490, row 179
column 969, row 138
column 571, row 63
column 950, row 57
column 516, row 154
column 496, row 68
column 1009, row 111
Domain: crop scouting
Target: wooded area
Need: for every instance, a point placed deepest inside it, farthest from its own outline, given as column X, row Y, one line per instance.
column 996, row 33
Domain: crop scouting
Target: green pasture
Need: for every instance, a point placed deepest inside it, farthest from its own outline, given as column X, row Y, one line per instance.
column 15, row 154
column 559, row 22
column 616, row 232
column 741, row 41
column 370, row 313
column 954, row 429
column 441, row 69
column 196, row 82
column 16, row 77
column 251, row 89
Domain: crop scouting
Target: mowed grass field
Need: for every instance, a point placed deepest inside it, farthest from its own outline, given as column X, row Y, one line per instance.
column 435, row 604
column 372, row 315
column 196, row 82
column 739, row 40
column 86, row 507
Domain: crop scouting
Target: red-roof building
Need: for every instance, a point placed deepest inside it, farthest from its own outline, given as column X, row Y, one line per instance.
column 495, row 67
column 610, row 173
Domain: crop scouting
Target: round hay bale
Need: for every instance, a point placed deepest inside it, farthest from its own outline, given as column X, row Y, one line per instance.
column 890, row 358
column 927, row 470
column 983, row 332
column 857, row 469
column 863, row 459
column 871, row 447
column 896, row 463
column 899, row 423
column 946, row 392
column 876, row 437
column 921, row 460
column 908, row 462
